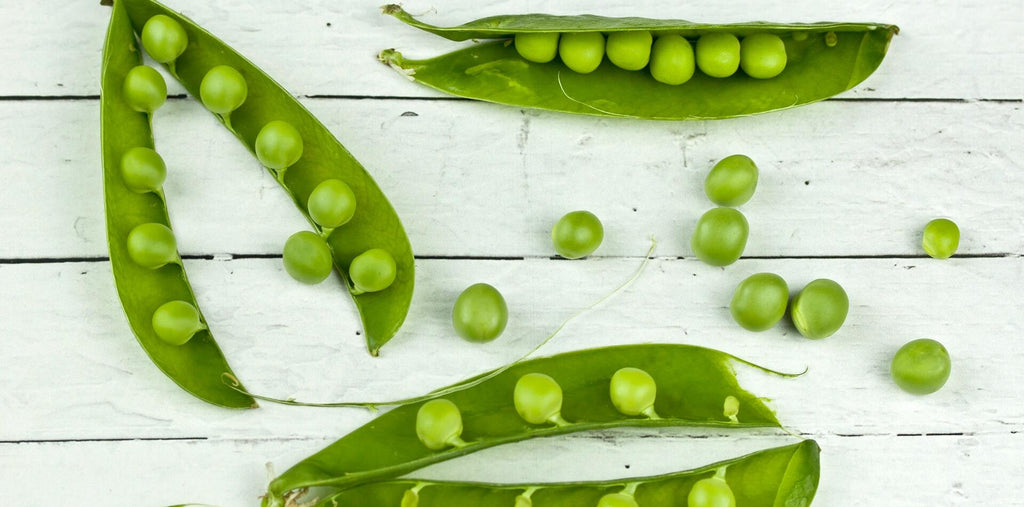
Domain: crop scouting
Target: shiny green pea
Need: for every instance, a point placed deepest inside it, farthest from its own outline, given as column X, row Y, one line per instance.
column 633, row 392
column 223, row 89
column 711, row 492
column 372, row 271
column 152, row 245
column 480, row 313
column 538, row 398
column 278, row 145
column 921, row 366
column 720, row 236
column 762, row 55
column 582, row 52
column 307, row 258
column 820, row 309
column 164, row 38
column 759, row 301
column 718, row 54
column 629, row 50
column 672, row 60
column 537, row 47
column 144, row 89
column 577, row 234
column 732, row 181
column 941, row 238
column 175, row 322
column 439, row 424
column 143, row 170
column 331, row 204
column 617, row 500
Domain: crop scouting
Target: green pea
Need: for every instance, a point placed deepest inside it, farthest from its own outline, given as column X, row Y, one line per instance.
column 577, row 234
column 537, row 47
column 144, row 89
column 731, row 408
column 718, row 54
column 223, row 89
column 759, row 301
column 480, row 313
column 152, row 245
column 629, row 50
column 617, row 500
column 582, row 52
column 439, row 424
column 331, row 204
column 711, row 492
column 307, row 258
column 538, row 398
column 143, row 170
column 672, row 60
column 372, row 271
column 820, row 309
column 720, row 236
column 164, row 38
column 762, row 55
column 633, row 391
column 941, row 238
column 732, row 181
column 921, row 366
column 175, row 322
column 278, row 145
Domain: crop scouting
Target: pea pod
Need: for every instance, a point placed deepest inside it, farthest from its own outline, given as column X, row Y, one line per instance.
column 374, row 225
column 695, row 387
column 196, row 365
column 824, row 59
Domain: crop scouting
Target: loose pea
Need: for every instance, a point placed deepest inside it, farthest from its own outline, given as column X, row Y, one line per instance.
column 720, row 236
column 307, row 258
column 175, row 322
column 941, row 238
column 718, row 54
column 617, row 500
column 732, row 181
column 577, row 234
column 921, row 366
column 633, row 391
column 278, row 145
column 629, row 50
column 480, row 313
column 581, row 51
column 762, row 55
column 759, row 301
column 144, row 89
column 820, row 309
column 164, row 38
column 711, row 492
column 672, row 60
column 372, row 271
column 143, row 170
column 439, row 424
column 152, row 245
column 538, row 398
column 537, row 47
column 331, row 204
column 223, row 89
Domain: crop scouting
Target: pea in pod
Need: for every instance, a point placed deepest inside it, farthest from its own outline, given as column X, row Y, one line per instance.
column 822, row 60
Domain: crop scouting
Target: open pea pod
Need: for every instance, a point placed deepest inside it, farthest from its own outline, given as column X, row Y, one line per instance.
column 780, row 477
column 823, row 59
column 375, row 224
column 694, row 387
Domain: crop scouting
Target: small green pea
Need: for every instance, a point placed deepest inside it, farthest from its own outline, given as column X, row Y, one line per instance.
column 152, row 245
column 629, row 50
column 439, row 424
column 223, row 89
column 307, row 258
column 759, row 301
column 143, row 169
column 941, row 238
column 711, row 492
column 672, row 60
column 633, row 392
column 820, row 309
column 372, row 271
column 731, row 408
column 537, row 47
column 144, row 89
column 278, row 145
column 718, row 54
column 480, row 313
column 800, row 36
column 577, row 234
column 720, row 236
column 617, row 500
column 762, row 55
column 331, row 204
column 732, row 181
column 582, row 52
column 538, row 398
column 921, row 366
column 164, row 38
column 176, row 322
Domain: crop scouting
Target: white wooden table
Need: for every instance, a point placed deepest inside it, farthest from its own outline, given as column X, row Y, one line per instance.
column 846, row 186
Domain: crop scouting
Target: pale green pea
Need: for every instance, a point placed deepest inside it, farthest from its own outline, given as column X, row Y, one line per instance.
column 223, row 89
column 537, row 47
column 331, row 204
column 629, row 50
column 144, row 89
column 617, row 500
column 152, row 245
column 176, row 322
column 164, row 38
column 538, row 399
column 278, row 145
column 439, row 424
column 672, row 60
column 577, row 234
column 372, row 271
column 820, row 309
column 921, row 366
column 720, row 236
column 143, row 169
column 731, row 408
column 307, row 258
column 762, row 55
column 732, row 181
column 759, row 301
column 582, row 52
column 718, row 54
column 941, row 238
column 633, row 392
column 480, row 313
column 711, row 492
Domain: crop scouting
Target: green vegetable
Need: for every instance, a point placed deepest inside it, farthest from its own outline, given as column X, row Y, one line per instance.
column 720, row 236
column 759, row 301
column 617, row 500
column 921, row 366
column 941, row 238
column 820, row 309
column 581, row 52
column 762, row 55
column 712, row 492
column 176, row 322
column 732, row 181
column 278, row 145
column 144, row 89
column 629, row 50
column 439, row 424
column 307, row 258
column 577, row 234
column 372, row 271
column 538, row 399
column 537, row 47
column 331, row 204
column 223, row 90
column 152, row 245
column 143, row 169
column 480, row 313
column 633, row 392
column 718, row 54
column 163, row 38
column 672, row 60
